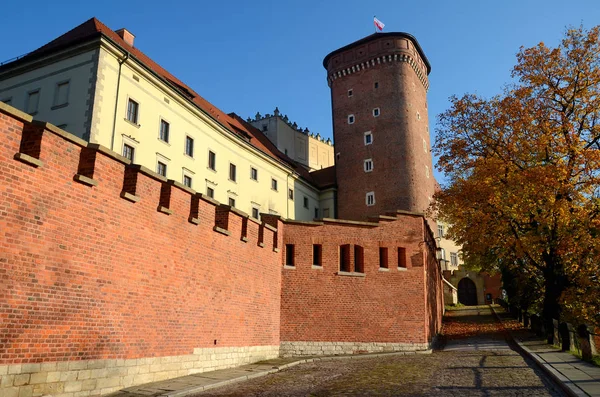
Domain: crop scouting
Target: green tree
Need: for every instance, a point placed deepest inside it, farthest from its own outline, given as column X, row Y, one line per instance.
column 523, row 171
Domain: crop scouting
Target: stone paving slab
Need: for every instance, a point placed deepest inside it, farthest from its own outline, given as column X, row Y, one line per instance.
column 577, row 377
column 196, row 383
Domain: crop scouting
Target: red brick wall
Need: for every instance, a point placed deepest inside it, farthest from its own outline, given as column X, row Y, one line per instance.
column 492, row 285
column 383, row 306
column 399, row 177
column 86, row 274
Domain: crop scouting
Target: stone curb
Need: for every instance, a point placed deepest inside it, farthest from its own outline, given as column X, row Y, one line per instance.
column 565, row 383
column 277, row 368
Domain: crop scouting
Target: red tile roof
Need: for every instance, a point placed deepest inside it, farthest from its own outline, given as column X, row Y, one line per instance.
column 93, row 28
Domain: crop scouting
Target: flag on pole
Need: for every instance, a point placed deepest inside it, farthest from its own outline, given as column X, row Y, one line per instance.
column 378, row 24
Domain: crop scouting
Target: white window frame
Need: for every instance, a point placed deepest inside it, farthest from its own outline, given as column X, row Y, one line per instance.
column 234, row 180
column 427, row 171
column 160, row 121
column 370, row 162
column 189, row 173
column 165, row 161
column 129, row 142
column 372, row 195
column 37, row 91
column 454, row 258
column 257, row 208
column 368, row 133
column 208, row 152
column 253, row 169
column 185, row 140
column 353, row 119
column 376, row 112
column 138, row 114
column 57, row 105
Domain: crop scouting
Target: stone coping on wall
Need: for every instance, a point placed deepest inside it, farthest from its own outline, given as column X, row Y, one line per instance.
column 104, row 376
column 305, row 348
column 16, row 113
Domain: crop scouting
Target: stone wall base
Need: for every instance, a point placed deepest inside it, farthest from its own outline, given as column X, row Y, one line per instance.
column 290, row 349
column 98, row 377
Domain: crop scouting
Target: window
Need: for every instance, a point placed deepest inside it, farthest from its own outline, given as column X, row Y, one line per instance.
column 265, row 128
column 255, row 213
column 440, row 230
column 376, row 85
column 61, row 94
column 368, row 165
column 368, row 138
column 161, row 168
column 291, row 194
column 305, row 201
column 232, row 172
column 317, row 255
column 442, row 254
column 427, row 171
column 401, row 258
column 132, row 111
column 359, row 259
column 351, row 119
column 210, row 192
column 164, row 131
column 231, row 202
column 189, row 146
column 289, row 255
column 33, row 101
column 345, row 258
column 253, row 174
column 286, row 152
column 350, row 93
column 316, row 213
column 454, row 259
column 212, row 160
column 418, row 116
column 370, row 199
column 425, row 145
column 187, row 181
column 325, row 212
column 376, row 112
column 383, row 257
column 128, row 151
column 274, row 184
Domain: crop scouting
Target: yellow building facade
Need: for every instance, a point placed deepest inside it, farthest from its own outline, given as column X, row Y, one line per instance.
column 104, row 90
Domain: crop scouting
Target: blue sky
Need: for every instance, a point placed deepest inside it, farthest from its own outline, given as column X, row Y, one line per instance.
column 249, row 56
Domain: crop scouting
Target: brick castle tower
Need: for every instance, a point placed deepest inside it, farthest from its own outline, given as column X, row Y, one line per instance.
column 380, row 125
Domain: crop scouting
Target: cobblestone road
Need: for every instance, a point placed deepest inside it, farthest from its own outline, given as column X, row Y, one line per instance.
column 476, row 361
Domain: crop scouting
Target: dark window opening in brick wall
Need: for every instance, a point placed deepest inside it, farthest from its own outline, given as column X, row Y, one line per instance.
column 289, row 255
column 359, row 259
column 402, row 257
column 383, row 257
column 317, row 255
column 345, row 258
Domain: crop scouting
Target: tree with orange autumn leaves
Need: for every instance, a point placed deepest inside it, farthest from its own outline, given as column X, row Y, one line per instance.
column 524, row 175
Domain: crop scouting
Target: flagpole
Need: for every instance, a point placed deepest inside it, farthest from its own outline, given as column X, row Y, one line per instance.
column 375, row 16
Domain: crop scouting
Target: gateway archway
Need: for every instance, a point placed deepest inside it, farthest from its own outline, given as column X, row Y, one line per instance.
column 467, row 292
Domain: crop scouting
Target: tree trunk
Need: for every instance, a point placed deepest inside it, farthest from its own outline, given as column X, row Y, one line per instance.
column 555, row 283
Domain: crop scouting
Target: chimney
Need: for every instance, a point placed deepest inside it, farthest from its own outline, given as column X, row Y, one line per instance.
column 126, row 35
